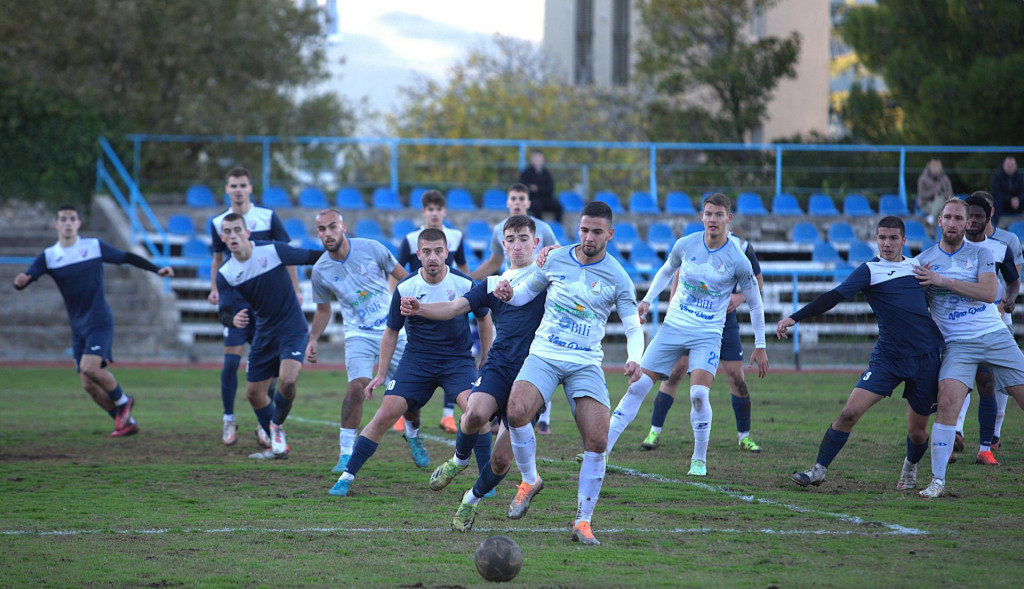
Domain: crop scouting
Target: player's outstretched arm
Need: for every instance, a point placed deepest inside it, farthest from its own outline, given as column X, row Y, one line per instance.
column 760, row 357
column 411, row 307
column 985, row 289
column 321, row 319
column 388, row 343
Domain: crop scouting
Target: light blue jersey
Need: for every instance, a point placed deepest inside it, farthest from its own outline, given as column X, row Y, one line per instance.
column 360, row 283
column 544, row 233
column 959, row 317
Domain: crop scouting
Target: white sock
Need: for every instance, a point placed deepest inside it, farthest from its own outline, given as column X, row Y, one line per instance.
column 122, row 401
column 1001, row 399
column 655, row 429
column 546, row 415
column 943, row 437
column 983, row 448
column 963, row 413
column 347, row 476
column 448, row 412
column 742, row 435
column 700, row 420
column 470, row 498
column 524, row 447
column 410, row 431
column 231, row 416
column 628, row 408
column 589, row 487
column 346, row 440
column 460, row 461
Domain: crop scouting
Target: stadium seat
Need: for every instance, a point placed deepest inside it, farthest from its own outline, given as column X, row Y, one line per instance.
column 825, row 253
column 416, row 196
column 180, row 225
column 571, row 201
column 560, row 235
column 275, row 197
column 859, row 253
column 626, row 235
column 369, row 229
column 805, row 233
column 915, row 231
column 856, row 205
column 312, row 197
column 821, row 205
column 892, row 204
column 678, row 203
column 645, row 258
column 749, row 203
column 199, row 196
column 631, row 270
column 296, row 229
column 785, row 204
column 195, row 249
column 660, row 236
column 386, row 200
column 613, row 250
column 310, row 243
column 459, row 199
column 693, row 227
column 478, row 234
column 611, row 199
column 400, row 228
column 1017, row 228
column 842, row 271
column 495, row 199
column 641, row 203
column 472, row 260
column 906, row 251
column 841, row 232
column 349, row 198
column 203, row 271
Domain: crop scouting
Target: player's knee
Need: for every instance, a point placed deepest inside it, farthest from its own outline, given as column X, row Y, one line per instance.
column 500, row 463
column 739, row 386
column 675, row 377
column 596, row 444
column 472, row 421
column 847, row 419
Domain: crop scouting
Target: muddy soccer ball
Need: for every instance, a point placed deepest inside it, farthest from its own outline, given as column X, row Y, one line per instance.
column 499, row 558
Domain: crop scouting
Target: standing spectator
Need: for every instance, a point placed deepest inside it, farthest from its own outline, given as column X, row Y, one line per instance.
column 542, row 188
column 933, row 188
column 1007, row 188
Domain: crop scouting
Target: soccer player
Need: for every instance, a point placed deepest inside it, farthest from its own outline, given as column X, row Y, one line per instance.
column 256, row 271
column 76, row 264
column 584, row 286
column 434, row 211
column 439, row 353
column 264, row 225
column 355, row 271
column 710, row 267
column 731, row 362
column 515, row 327
column 908, row 350
column 960, row 285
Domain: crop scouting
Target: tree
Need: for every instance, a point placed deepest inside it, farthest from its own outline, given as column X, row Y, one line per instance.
column 954, row 67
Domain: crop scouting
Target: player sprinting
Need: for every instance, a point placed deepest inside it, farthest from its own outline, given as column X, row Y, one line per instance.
column 908, row 350
column 439, row 353
column 514, row 327
column 76, row 264
column 710, row 267
column 584, row 285
column 257, row 272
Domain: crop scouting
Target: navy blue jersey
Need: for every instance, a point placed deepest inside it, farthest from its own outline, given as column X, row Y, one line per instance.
column 434, row 340
column 905, row 326
column 514, row 326
column 407, row 249
column 263, row 225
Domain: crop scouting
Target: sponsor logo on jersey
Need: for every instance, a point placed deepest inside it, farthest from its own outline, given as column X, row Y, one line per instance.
column 262, row 262
column 451, row 294
column 579, row 311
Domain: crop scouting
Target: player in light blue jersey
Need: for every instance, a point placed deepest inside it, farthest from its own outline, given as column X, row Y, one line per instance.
column 76, row 265
column 359, row 273
column 257, row 272
column 908, row 350
column 710, row 267
column 264, row 225
column 439, row 353
column 584, row 285
column 961, row 286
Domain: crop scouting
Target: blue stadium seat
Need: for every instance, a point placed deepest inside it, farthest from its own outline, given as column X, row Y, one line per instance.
column 560, row 235
column 369, row 229
column 349, row 198
column 678, row 203
column 749, row 203
column 611, row 199
column 312, row 197
column 906, row 251
column 472, row 260
column 1017, row 228
column 199, row 196
column 459, row 199
column 631, row 270
column 400, row 228
column 892, row 204
column 856, row 205
column 195, row 249
column 626, row 235
column 915, row 231
column 842, row 271
column 416, row 196
column 495, row 199
column 859, row 253
column 821, row 205
column 805, row 233
column 613, row 251
column 296, row 229
column 841, row 232
column 693, row 227
column 660, row 236
column 785, row 204
column 571, row 201
column 275, row 197
column 386, row 200
column 180, row 225
column 825, row 253
column 203, row 271
column 310, row 243
column 645, row 258
column 478, row 234
column 641, row 203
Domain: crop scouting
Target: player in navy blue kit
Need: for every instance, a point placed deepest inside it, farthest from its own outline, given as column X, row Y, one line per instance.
column 257, row 272
column 439, row 353
column 264, row 225
column 76, row 265
column 908, row 351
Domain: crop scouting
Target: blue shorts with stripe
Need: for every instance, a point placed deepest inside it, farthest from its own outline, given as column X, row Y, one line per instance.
column 416, row 379
column 239, row 336
column 96, row 341
column 267, row 351
column 496, row 380
column 919, row 375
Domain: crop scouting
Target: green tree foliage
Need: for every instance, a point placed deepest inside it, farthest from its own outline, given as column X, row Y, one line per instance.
column 953, row 66
column 869, row 118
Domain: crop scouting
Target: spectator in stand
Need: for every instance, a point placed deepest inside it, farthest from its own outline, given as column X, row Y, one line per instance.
column 933, row 188
column 1008, row 189
column 542, row 188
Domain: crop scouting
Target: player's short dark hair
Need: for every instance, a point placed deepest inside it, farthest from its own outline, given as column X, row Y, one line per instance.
column 518, row 222
column 718, row 199
column 431, row 234
column 238, row 173
column 230, row 218
column 978, row 201
column 519, row 187
column 985, row 195
column 892, row 222
column 433, row 197
column 67, row 207
column 597, row 208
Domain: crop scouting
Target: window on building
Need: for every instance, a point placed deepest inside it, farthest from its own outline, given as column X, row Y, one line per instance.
column 584, row 66
column 620, row 43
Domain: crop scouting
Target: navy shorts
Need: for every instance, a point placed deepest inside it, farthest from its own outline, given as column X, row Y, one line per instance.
column 732, row 345
column 920, row 375
column 267, row 351
column 416, row 379
column 96, row 341
column 239, row 336
column 496, row 380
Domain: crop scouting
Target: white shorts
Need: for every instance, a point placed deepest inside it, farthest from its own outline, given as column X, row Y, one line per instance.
column 362, row 353
column 578, row 380
column 996, row 350
column 671, row 343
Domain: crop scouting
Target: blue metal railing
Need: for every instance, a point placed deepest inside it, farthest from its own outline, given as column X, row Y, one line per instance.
column 133, row 204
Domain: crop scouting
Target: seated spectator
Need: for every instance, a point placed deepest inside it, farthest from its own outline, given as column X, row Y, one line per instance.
column 1007, row 189
column 933, row 188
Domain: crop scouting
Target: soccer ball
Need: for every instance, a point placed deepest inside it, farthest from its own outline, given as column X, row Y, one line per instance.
column 499, row 558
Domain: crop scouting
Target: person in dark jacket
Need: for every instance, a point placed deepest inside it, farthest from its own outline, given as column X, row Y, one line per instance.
column 542, row 188
column 1007, row 189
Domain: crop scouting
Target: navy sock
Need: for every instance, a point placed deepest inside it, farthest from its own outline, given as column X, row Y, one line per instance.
column 464, row 444
column 916, row 451
column 482, row 449
column 987, row 410
column 229, row 382
column 263, row 416
column 662, row 403
column 282, row 407
column 741, row 407
column 487, row 480
column 116, row 394
column 831, row 444
column 364, row 448
column 112, row 413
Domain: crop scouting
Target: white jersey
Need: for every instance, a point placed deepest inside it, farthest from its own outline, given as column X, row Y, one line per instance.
column 958, row 317
column 360, row 283
column 999, row 251
column 544, row 233
column 580, row 297
column 1013, row 243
